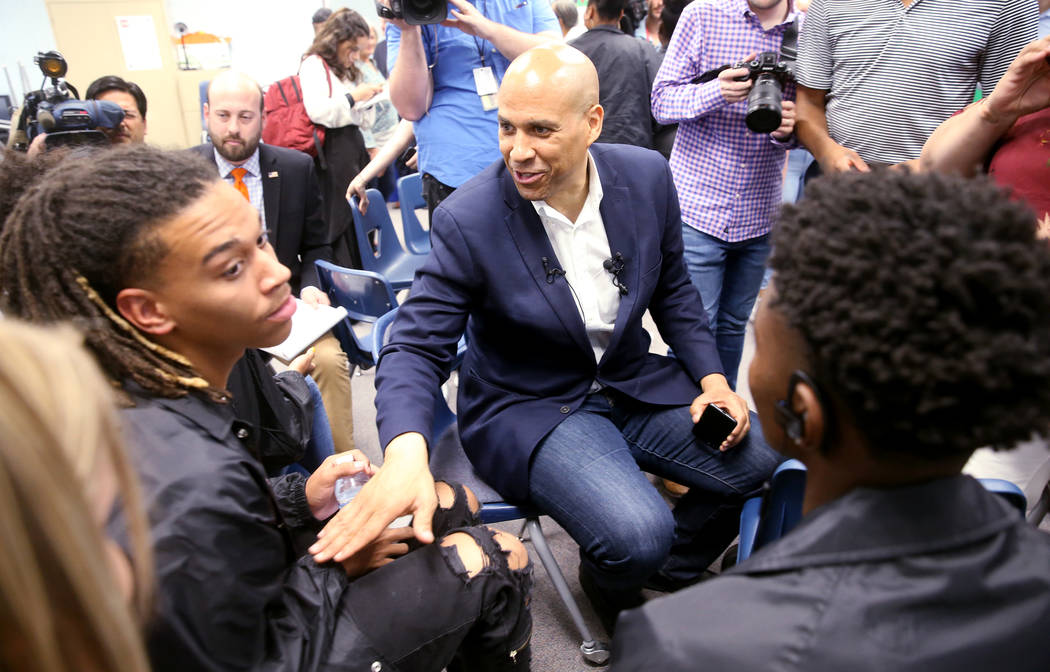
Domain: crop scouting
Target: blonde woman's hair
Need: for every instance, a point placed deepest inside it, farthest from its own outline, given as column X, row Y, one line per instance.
column 60, row 605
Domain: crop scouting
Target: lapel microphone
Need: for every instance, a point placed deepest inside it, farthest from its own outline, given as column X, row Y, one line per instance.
column 615, row 266
column 552, row 271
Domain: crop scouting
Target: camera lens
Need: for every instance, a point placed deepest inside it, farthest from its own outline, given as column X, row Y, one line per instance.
column 422, row 12
column 764, row 104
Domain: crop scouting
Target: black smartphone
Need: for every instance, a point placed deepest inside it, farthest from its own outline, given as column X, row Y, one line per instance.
column 714, row 426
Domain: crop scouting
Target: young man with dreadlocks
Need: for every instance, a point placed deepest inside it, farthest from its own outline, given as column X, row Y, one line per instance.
column 166, row 269
column 908, row 323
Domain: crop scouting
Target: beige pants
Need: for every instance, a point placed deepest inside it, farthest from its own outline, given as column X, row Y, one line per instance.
column 332, row 373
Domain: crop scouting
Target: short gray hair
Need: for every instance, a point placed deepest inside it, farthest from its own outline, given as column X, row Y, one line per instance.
column 566, row 12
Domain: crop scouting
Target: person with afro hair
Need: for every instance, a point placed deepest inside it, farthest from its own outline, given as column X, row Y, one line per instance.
column 908, row 322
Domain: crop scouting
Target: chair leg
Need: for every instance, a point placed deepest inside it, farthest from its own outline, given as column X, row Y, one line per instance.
column 593, row 651
column 1039, row 511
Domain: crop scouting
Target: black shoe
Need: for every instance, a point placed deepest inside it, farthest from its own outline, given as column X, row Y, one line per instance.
column 608, row 604
column 663, row 583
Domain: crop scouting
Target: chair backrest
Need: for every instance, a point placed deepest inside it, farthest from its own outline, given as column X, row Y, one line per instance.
column 202, row 91
column 380, row 332
column 782, row 505
column 1013, row 494
column 781, row 508
column 410, row 195
column 365, row 295
column 376, row 219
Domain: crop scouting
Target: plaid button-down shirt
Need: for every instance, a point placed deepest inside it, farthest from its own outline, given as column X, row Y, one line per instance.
column 728, row 178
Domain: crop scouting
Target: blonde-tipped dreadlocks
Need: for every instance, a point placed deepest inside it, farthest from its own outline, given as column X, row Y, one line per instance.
column 84, row 231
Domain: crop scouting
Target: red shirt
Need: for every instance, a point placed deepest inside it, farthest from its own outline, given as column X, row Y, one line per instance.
column 1021, row 161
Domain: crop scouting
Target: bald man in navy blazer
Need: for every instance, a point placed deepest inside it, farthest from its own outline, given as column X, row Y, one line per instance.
column 549, row 259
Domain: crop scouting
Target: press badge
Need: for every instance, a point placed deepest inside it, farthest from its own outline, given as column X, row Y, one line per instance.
column 485, row 83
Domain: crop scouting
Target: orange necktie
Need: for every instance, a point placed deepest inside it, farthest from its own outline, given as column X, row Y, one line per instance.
column 238, row 182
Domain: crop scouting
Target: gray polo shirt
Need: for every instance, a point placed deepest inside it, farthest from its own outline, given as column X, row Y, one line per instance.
column 894, row 73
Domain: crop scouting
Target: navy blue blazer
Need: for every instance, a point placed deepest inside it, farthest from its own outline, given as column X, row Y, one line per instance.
column 530, row 363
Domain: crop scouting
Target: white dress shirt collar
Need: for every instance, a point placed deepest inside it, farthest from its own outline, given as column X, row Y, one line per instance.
column 581, row 248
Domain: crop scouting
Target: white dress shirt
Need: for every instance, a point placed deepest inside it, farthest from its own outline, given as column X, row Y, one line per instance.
column 581, row 248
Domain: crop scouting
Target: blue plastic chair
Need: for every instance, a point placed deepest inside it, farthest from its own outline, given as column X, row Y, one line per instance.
column 202, row 91
column 410, row 193
column 765, row 520
column 449, row 462
column 1008, row 491
column 391, row 260
column 367, row 296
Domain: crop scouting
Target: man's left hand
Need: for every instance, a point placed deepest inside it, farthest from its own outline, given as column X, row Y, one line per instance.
column 312, row 296
column 787, row 121
column 468, row 19
column 716, row 391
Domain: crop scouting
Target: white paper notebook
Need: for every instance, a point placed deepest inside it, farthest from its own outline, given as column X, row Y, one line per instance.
column 309, row 323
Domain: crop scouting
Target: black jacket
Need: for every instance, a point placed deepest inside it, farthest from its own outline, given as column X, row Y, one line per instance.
column 294, row 216
column 626, row 68
column 232, row 592
column 942, row 576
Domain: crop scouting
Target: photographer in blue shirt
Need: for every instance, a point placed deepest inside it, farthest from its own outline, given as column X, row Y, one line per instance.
column 444, row 78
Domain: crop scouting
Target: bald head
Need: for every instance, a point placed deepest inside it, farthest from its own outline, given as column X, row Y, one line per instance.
column 234, row 114
column 556, row 69
column 230, row 81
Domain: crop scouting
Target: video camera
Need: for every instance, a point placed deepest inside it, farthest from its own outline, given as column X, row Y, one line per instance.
column 769, row 71
column 414, row 12
column 56, row 110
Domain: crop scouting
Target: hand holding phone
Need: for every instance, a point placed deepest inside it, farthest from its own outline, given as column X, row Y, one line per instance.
column 714, row 426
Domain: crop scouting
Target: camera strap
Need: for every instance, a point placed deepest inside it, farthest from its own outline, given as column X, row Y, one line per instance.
column 788, row 52
column 484, row 76
column 789, row 46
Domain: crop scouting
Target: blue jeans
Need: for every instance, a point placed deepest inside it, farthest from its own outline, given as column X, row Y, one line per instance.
column 587, row 475
column 320, row 445
column 798, row 163
column 728, row 276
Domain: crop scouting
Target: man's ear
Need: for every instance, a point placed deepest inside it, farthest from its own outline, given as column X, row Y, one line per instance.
column 595, row 119
column 142, row 309
column 205, row 109
column 589, row 15
column 807, row 405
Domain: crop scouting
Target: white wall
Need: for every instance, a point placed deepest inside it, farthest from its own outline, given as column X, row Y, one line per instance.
column 25, row 29
column 269, row 36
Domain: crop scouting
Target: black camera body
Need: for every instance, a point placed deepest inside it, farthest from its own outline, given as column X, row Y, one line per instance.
column 415, row 12
column 56, row 110
column 75, row 122
column 765, row 102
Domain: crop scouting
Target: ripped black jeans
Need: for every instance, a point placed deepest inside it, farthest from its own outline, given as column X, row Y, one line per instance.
column 424, row 613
